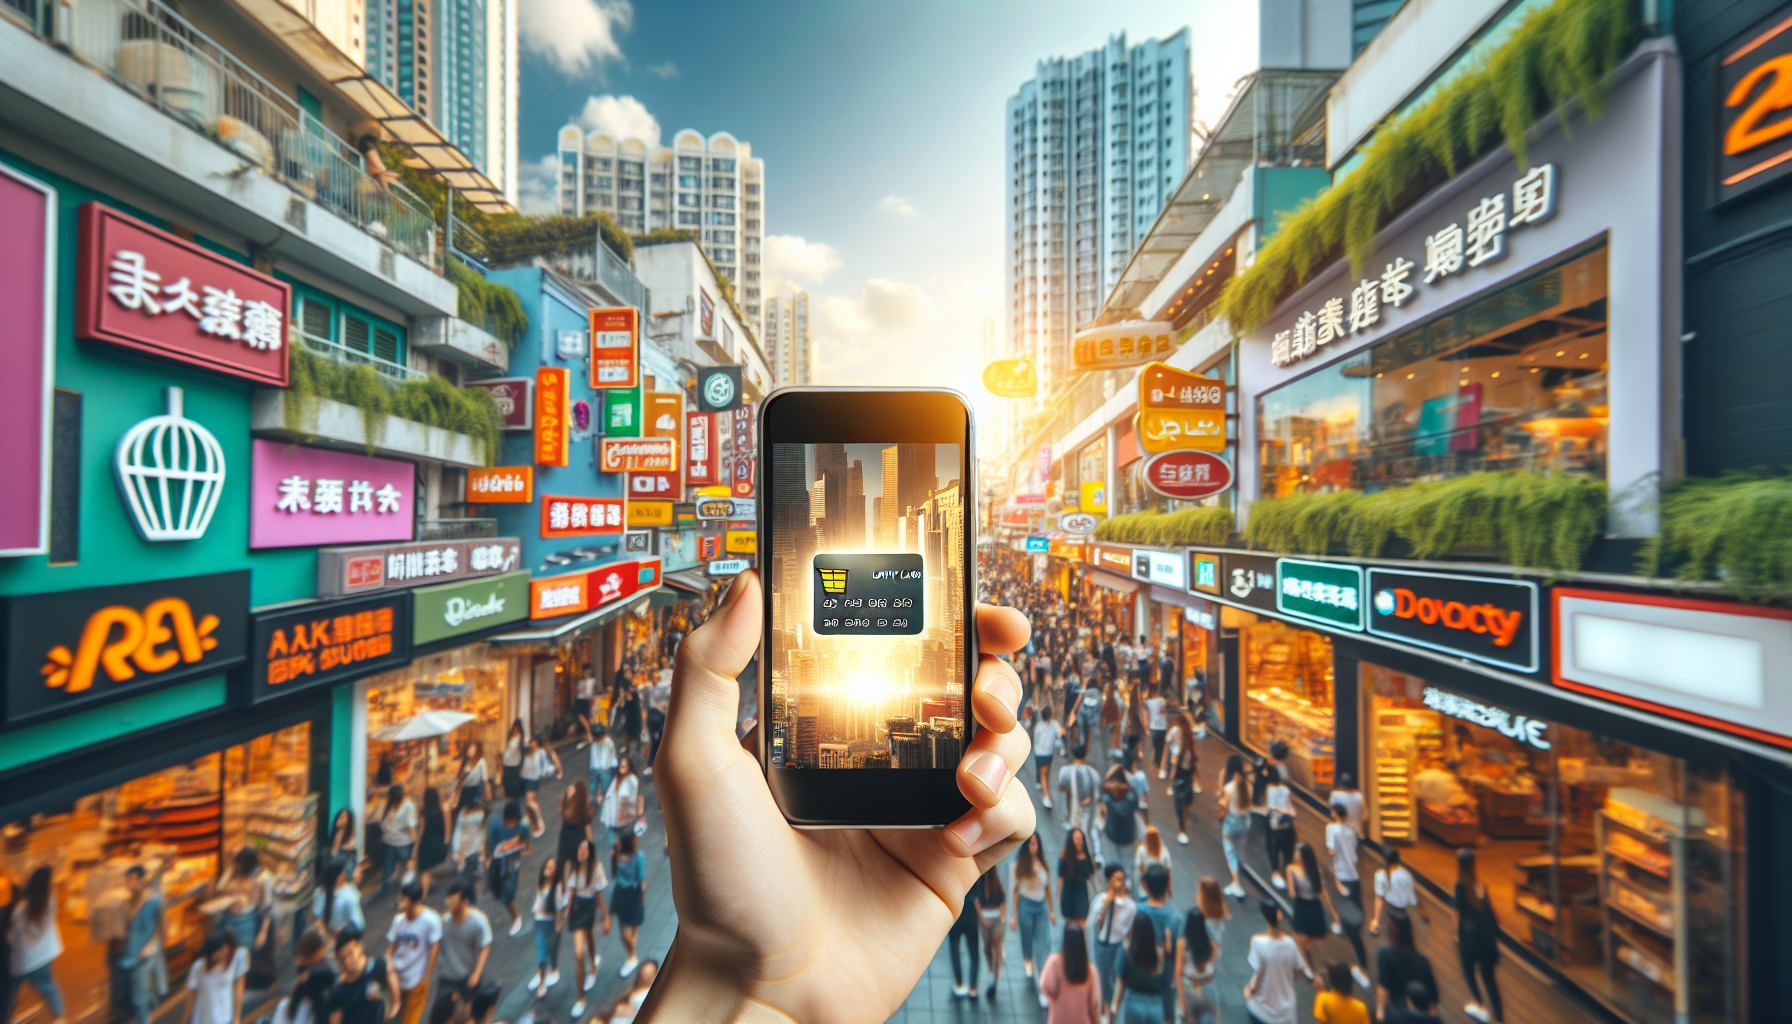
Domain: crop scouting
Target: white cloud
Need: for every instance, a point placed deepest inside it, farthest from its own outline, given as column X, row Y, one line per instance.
column 620, row 117
column 576, row 36
column 665, row 69
column 539, row 186
column 792, row 262
column 899, row 206
column 897, row 333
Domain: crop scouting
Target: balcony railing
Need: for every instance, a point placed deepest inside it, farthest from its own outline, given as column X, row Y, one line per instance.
column 145, row 47
column 598, row 264
column 349, row 357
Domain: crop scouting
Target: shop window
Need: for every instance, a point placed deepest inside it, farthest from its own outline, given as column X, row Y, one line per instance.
column 1619, row 864
column 1512, row 380
column 1287, row 676
column 184, row 826
column 470, row 679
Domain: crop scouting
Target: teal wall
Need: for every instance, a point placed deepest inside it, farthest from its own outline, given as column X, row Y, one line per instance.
column 1279, row 190
column 118, row 390
column 133, row 714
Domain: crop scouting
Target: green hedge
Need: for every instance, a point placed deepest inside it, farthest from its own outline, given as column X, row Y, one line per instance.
column 1560, row 52
column 488, row 305
column 1544, row 521
column 431, row 401
column 1736, row 528
column 1189, row 526
column 518, row 238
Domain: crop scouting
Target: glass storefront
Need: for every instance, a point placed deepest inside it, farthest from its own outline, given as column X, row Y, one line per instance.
column 1513, row 380
column 1287, row 694
column 1619, row 864
column 472, row 679
column 184, row 826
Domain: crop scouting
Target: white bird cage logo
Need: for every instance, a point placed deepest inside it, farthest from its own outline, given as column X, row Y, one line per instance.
column 171, row 471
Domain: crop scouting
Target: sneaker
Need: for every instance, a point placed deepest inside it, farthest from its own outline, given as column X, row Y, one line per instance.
column 1047, row 801
column 578, row 1009
column 591, row 978
column 629, row 965
column 1475, row 1010
column 1044, row 1003
column 1276, row 880
column 516, row 925
column 648, row 771
column 553, row 979
column 1362, row 979
column 1197, row 787
column 992, row 991
column 960, row 992
column 1161, row 774
column 1182, row 837
column 1235, row 891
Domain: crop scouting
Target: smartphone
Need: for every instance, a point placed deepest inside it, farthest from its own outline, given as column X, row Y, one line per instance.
column 867, row 546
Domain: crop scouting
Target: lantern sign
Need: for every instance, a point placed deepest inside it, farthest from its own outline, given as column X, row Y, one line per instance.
column 1011, row 378
column 1122, row 345
column 171, row 471
column 1187, row 475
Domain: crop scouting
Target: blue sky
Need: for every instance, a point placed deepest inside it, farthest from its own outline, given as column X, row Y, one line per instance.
column 880, row 126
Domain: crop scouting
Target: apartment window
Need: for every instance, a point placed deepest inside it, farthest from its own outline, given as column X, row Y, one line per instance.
column 752, row 189
column 752, row 257
column 658, row 196
column 727, row 183
column 726, row 219
column 689, row 199
column 752, row 225
column 752, row 207
column 629, row 203
column 752, row 277
column 603, row 181
column 602, row 162
column 633, row 168
column 722, row 202
column 752, row 293
column 689, row 218
column 690, row 181
column 720, row 163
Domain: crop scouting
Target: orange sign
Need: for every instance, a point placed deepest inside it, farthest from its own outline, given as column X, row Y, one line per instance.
column 328, row 644
column 1164, row 387
column 649, row 513
column 1121, row 345
column 551, row 431
column 559, row 595
column 501, row 485
column 615, row 347
column 638, row 455
column 661, row 413
column 1164, row 430
column 155, row 639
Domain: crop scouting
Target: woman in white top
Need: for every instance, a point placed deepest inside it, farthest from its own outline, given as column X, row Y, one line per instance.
column 1235, row 818
column 1034, row 916
column 475, row 778
column 1152, row 851
column 585, row 883
column 215, row 981
column 468, row 843
column 516, row 743
column 398, row 828
column 622, row 804
column 1394, row 889
column 551, row 901
column 538, row 764
column 1269, row 995
column 603, row 761
column 36, row 941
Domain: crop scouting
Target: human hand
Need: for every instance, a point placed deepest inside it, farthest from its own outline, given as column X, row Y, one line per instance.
column 777, row 923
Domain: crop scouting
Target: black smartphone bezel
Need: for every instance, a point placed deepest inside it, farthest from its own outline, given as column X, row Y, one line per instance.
column 839, row 798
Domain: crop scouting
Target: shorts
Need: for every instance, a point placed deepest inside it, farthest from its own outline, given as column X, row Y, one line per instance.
column 531, row 785
column 581, row 708
column 1043, row 760
column 626, row 904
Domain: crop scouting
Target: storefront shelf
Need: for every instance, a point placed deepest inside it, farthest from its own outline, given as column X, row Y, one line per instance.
column 1659, row 870
column 1642, row 919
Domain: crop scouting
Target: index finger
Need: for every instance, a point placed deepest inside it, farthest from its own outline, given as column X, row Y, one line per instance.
column 1001, row 630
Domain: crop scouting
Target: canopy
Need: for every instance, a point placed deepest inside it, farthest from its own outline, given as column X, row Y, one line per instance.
column 424, row 725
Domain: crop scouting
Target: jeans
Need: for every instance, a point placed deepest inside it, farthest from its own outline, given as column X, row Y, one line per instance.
column 1104, row 966
column 1199, row 1007
column 45, row 983
column 1232, row 832
column 148, row 982
column 600, row 784
column 1035, row 930
column 966, row 932
column 547, row 938
column 1142, row 1008
column 396, row 857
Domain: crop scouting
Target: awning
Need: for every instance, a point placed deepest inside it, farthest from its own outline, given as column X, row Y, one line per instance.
column 1112, row 582
column 688, row 579
column 562, row 627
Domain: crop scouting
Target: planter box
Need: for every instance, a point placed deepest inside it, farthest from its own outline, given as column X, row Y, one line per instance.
column 331, row 424
column 457, row 341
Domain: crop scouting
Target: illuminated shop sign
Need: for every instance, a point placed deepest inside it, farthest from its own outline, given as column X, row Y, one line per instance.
column 328, row 642
column 1204, row 573
column 1249, row 580
column 1488, row 620
column 501, row 485
column 1322, row 591
column 468, row 607
column 1478, row 239
column 577, row 517
column 1160, row 567
column 1754, row 140
column 1038, row 545
column 357, row 570
column 1518, row 727
column 1112, row 559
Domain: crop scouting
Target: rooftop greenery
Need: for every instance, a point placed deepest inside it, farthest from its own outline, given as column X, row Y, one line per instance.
column 431, row 401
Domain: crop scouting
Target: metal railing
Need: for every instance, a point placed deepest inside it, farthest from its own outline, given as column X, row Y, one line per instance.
column 349, row 357
column 599, row 265
column 148, row 49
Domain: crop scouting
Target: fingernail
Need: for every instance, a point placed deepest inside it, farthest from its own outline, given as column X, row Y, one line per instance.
column 991, row 770
column 735, row 589
column 1009, row 695
column 968, row 832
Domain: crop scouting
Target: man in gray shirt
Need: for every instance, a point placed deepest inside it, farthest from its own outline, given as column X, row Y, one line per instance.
column 466, row 941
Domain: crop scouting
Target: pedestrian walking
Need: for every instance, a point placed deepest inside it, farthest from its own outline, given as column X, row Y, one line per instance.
column 1112, row 913
column 1346, row 795
column 1312, row 903
column 465, row 945
column 1278, row 805
column 433, row 837
column 1275, row 958
column 1076, row 869
column 1133, row 726
column 1337, row 1003
column 345, row 842
column 656, row 728
column 1420, row 1008
column 398, row 830
column 602, row 767
column 964, row 932
column 313, row 978
column 1151, row 850
column 628, row 900
column 1181, row 758
column 1078, row 782
column 506, row 841
column 1048, row 735
column 469, row 841
column 1477, row 940
column 1068, row 990
column 1398, row 966
column 216, row 979
column 1139, row 976
column 1168, row 927
column 1341, row 842
column 1395, row 891
column 1213, row 906
column 336, row 905
column 1157, row 720
column 1034, row 916
column 631, row 721
column 992, row 910
column 538, row 763
column 1118, row 817
column 547, row 912
column 366, row 992
column 575, row 821
column 1197, row 961
column 516, row 744
column 249, row 913
column 412, row 943
column 475, row 780
column 1235, row 821
column 586, row 881
column 623, row 803
column 141, row 960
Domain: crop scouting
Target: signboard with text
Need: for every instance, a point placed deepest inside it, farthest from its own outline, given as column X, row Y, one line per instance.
column 1322, row 591
column 1754, row 143
column 327, row 642
column 1249, row 580
column 741, row 542
column 1113, row 559
column 501, row 485
column 1161, row 567
column 300, row 497
column 1187, row 475
column 1204, row 573
column 662, row 413
column 28, row 337
column 456, row 609
column 638, row 455
column 658, row 486
column 622, row 413
column 649, row 513
column 511, row 396
column 615, row 347
column 739, row 509
column 342, row 571
column 1122, row 345
column 1488, row 620
column 1180, row 410
column 577, row 517
column 700, row 444
column 552, row 410
column 555, row 596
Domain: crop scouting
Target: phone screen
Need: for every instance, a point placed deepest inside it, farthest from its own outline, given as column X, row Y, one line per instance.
column 866, row 648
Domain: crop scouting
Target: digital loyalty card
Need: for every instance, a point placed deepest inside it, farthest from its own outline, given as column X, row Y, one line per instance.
column 868, row 595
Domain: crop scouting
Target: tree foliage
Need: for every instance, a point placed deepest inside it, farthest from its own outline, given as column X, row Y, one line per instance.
column 1204, row 525
column 488, row 305
column 431, row 401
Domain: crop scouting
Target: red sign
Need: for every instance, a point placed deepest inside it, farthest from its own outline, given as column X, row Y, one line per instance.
column 511, row 396
column 615, row 338
column 551, row 385
column 501, row 485
column 577, row 517
column 700, row 434
column 638, row 455
column 1187, row 475
column 559, row 595
column 745, row 466
column 144, row 289
column 655, row 485
column 709, row 546
column 614, row 582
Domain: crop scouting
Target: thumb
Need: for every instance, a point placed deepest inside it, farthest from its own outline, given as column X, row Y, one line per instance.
column 705, row 695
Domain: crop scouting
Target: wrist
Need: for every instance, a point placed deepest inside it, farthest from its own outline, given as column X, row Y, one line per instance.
column 698, row 983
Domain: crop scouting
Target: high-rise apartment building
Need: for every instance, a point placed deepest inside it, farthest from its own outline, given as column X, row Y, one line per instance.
column 455, row 63
column 712, row 187
column 1095, row 144
column 787, row 340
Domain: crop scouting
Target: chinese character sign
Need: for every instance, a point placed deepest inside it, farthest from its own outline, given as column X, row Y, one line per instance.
column 1122, row 345
column 575, row 517
column 615, row 341
column 144, row 289
column 700, row 467
column 326, row 643
column 501, row 485
column 305, row 496
column 551, row 415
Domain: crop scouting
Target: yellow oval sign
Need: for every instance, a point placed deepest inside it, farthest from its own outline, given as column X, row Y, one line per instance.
column 1011, row 378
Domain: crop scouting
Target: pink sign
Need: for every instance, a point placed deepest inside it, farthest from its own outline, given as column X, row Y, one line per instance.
column 27, row 288
column 305, row 496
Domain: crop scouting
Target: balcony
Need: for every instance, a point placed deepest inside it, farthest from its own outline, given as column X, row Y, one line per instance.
column 146, row 48
column 328, row 423
column 598, row 265
column 458, row 341
column 396, row 372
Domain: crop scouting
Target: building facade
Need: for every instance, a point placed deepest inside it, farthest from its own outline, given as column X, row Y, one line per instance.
column 713, row 188
column 788, row 340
